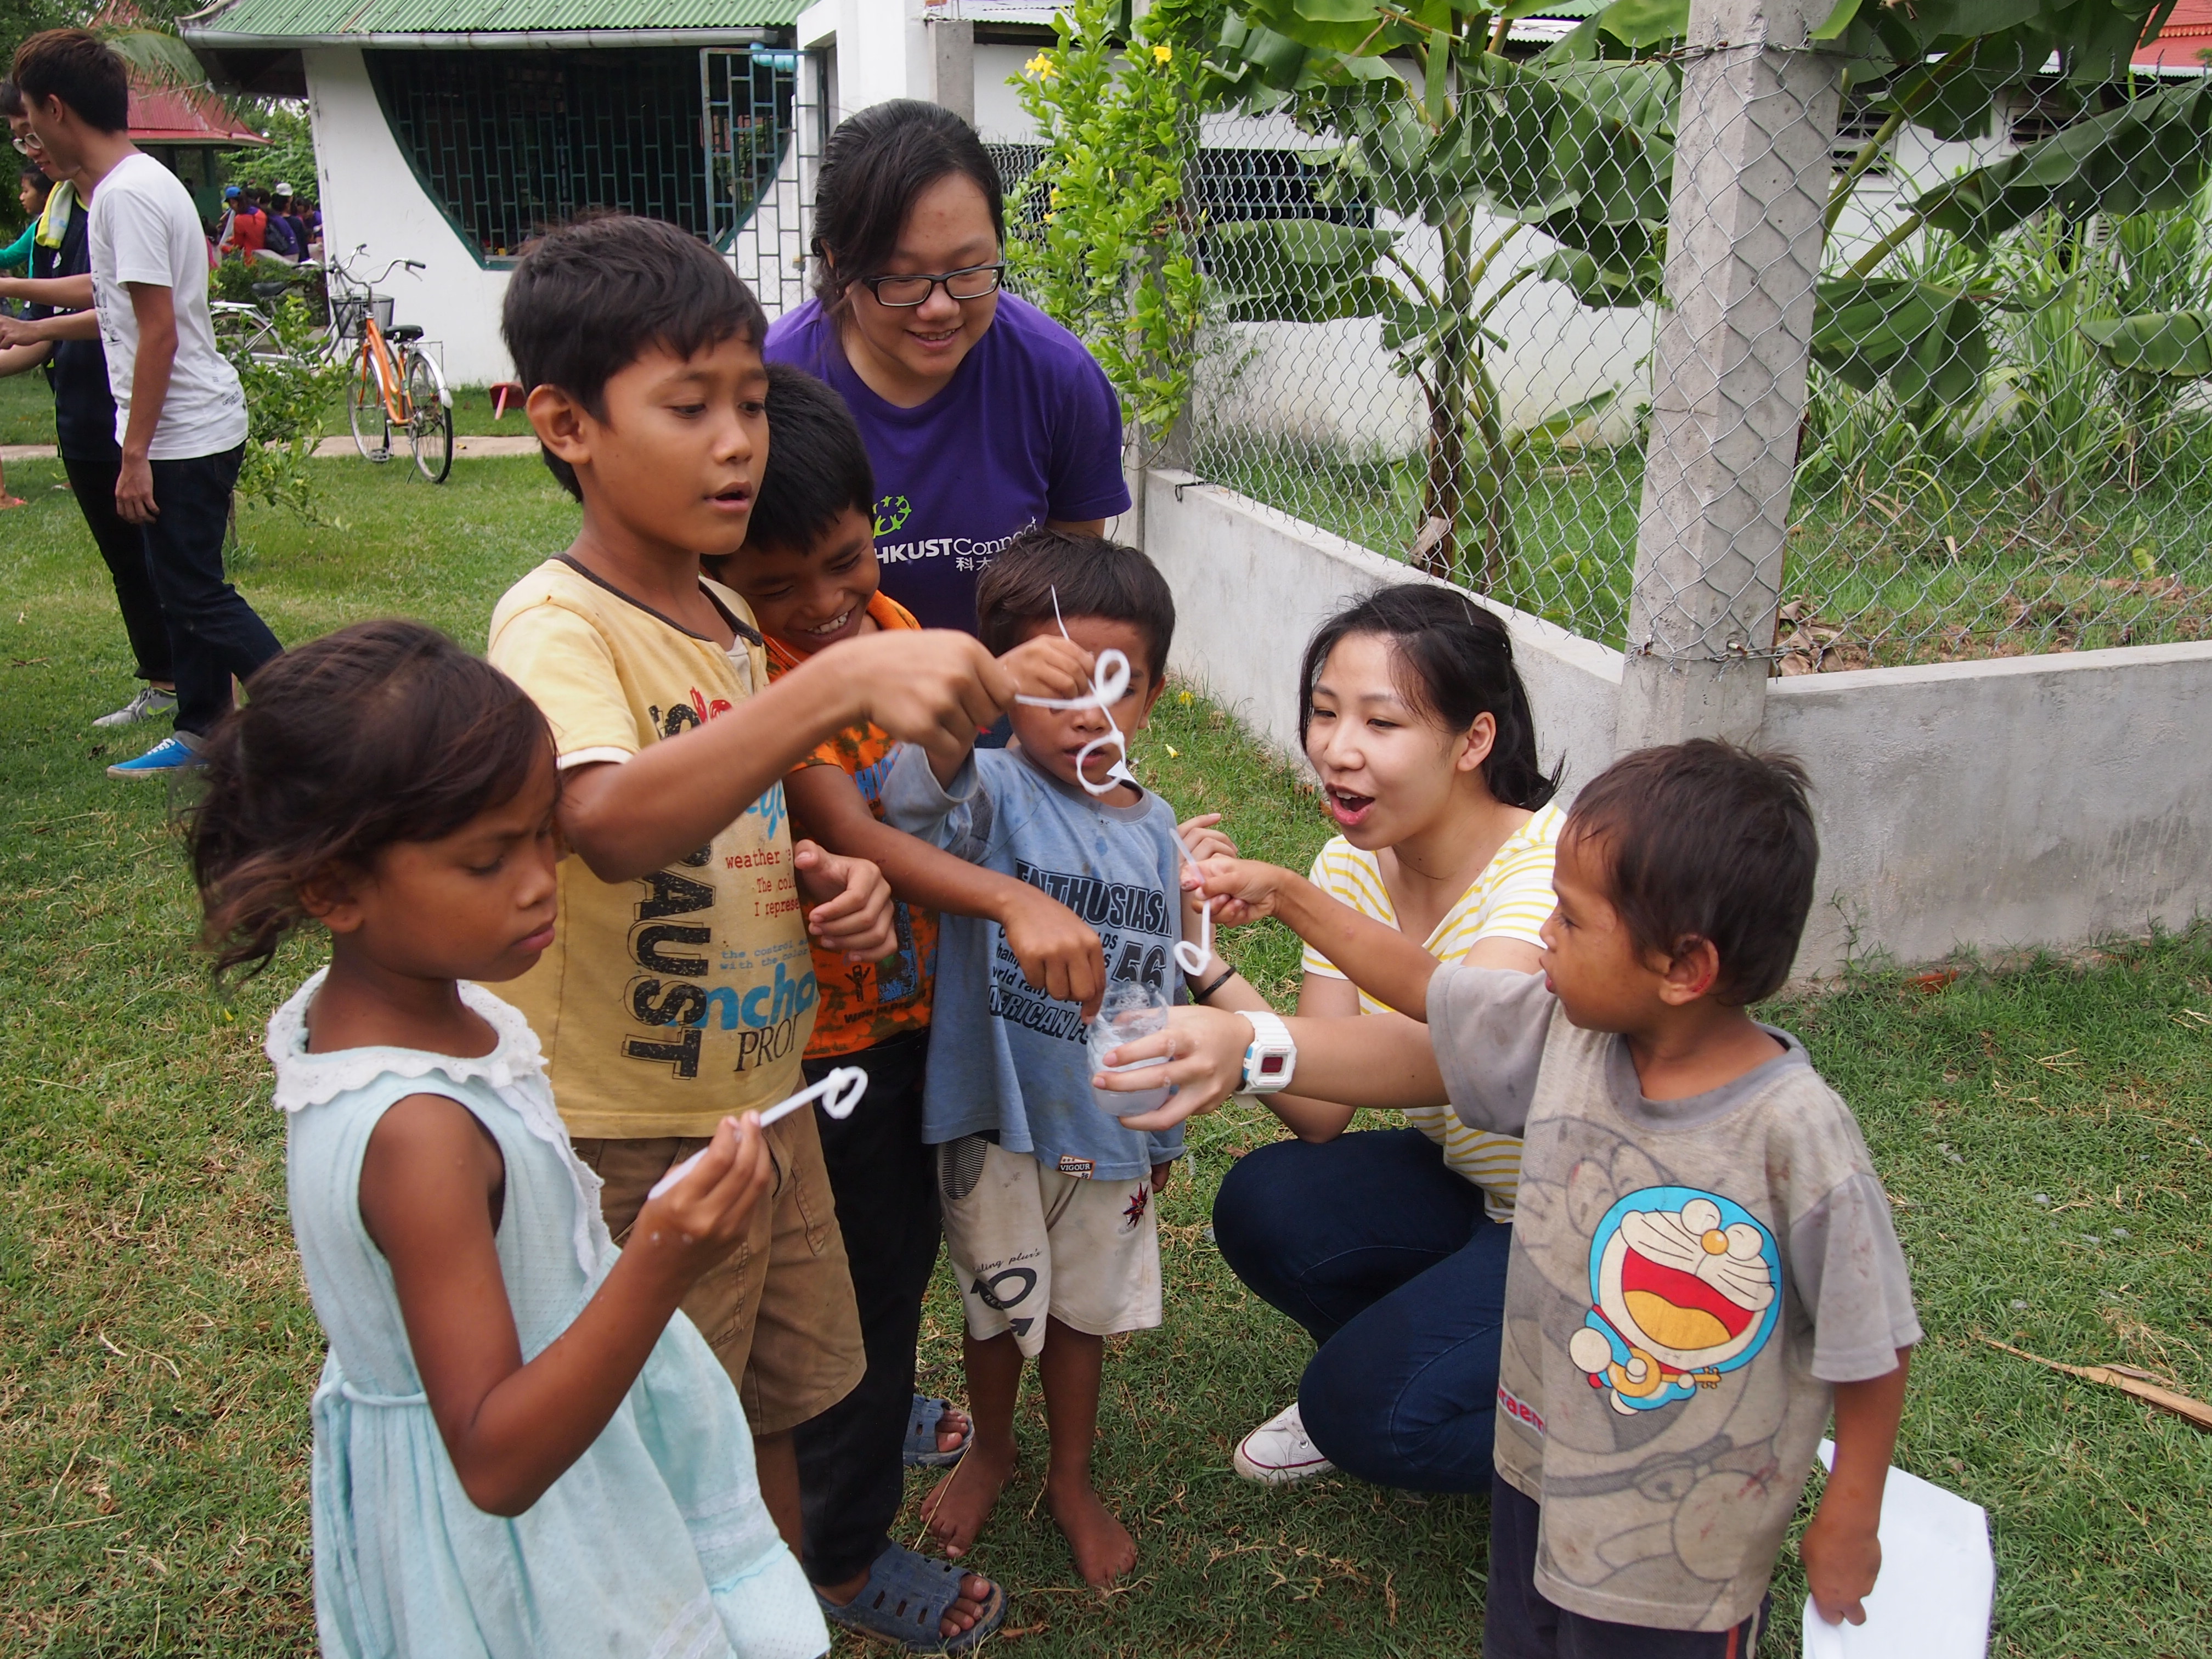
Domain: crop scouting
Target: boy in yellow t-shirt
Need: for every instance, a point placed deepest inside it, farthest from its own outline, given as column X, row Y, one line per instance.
column 808, row 571
column 679, row 987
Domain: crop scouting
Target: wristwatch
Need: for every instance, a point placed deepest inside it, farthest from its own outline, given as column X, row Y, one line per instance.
column 1273, row 1056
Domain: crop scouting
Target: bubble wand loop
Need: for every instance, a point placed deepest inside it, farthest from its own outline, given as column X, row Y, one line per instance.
column 1109, row 683
column 839, row 1093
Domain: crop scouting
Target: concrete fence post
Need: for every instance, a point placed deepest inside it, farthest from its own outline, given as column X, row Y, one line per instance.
column 951, row 62
column 1752, row 175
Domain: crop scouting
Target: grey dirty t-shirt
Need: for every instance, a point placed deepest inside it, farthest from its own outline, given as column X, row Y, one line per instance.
column 1688, row 1278
column 1005, row 1058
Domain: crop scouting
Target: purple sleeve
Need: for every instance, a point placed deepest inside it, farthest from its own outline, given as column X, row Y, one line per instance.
column 1087, row 479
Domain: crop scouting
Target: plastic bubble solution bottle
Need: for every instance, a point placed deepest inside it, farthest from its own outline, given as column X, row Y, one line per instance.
column 1130, row 1011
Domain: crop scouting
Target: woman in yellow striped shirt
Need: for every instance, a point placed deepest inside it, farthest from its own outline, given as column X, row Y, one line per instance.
column 1389, row 1245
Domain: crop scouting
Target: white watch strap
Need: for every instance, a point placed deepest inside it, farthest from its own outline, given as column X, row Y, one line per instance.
column 1272, row 1056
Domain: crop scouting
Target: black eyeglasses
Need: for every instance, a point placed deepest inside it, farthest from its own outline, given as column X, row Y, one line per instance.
column 904, row 291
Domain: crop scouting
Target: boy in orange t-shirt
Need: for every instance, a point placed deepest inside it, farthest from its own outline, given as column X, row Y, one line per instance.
column 808, row 569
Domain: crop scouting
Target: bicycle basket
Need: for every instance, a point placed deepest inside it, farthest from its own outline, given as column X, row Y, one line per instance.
column 351, row 309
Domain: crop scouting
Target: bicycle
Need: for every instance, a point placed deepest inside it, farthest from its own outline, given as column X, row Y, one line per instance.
column 394, row 384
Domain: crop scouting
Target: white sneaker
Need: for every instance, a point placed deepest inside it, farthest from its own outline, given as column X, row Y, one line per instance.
column 145, row 706
column 1278, row 1452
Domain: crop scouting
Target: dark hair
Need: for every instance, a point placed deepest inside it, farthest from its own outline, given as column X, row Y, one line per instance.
column 587, row 300
column 32, row 174
column 1706, row 841
column 818, row 465
column 383, row 731
column 873, row 167
column 1452, row 659
column 11, row 100
column 74, row 66
column 1089, row 575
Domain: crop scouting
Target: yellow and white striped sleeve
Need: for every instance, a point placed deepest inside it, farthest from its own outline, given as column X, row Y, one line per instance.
column 1349, row 876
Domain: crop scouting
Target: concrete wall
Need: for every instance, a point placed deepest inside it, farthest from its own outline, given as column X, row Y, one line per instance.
column 369, row 195
column 2024, row 801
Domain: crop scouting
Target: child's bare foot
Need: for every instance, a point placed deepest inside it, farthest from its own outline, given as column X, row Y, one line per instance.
column 1102, row 1547
column 957, row 1509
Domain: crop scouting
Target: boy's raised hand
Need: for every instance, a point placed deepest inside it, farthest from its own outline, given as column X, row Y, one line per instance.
column 931, row 687
column 852, row 903
column 1059, row 954
column 1049, row 665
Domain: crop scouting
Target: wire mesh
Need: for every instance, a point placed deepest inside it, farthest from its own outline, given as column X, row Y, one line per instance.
column 2002, row 444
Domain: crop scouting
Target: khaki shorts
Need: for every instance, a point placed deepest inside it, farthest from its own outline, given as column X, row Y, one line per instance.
column 1026, row 1240
column 779, row 1312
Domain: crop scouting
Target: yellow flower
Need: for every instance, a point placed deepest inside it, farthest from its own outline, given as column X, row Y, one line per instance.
column 1183, row 698
column 1161, row 54
column 1173, row 753
column 1042, row 67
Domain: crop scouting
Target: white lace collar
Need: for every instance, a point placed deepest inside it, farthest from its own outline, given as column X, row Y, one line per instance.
column 515, row 1067
column 304, row 1079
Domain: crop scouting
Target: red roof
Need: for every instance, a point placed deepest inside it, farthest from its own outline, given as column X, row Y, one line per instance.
column 176, row 115
column 2184, row 41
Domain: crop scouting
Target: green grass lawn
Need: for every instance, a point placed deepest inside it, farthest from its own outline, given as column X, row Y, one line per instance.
column 1905, row 565
column 157, row 1349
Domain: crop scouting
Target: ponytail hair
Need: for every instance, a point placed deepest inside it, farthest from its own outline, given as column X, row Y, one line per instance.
column 1453, row 660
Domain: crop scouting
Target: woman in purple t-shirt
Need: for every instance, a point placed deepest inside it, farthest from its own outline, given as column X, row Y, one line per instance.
column 982, row 417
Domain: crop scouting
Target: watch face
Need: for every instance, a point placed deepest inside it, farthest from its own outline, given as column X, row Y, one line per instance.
column 1272, row 1066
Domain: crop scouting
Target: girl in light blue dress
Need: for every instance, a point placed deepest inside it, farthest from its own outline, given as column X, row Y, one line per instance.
column 522, row 1447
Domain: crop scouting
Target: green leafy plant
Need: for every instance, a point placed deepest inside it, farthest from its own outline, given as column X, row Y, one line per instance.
column 285, row 400
column 289, row 157
column 1112, row 252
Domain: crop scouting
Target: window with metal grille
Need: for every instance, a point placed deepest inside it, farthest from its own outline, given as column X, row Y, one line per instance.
column 510, row 144
column 1857, row 124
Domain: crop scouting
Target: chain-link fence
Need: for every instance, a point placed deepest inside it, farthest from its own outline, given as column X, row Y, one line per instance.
column 1445, row 343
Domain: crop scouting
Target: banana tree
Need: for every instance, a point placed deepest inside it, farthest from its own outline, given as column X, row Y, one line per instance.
column 1435, row 125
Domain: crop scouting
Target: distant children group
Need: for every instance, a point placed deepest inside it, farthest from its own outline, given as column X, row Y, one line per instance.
column 616, row 1367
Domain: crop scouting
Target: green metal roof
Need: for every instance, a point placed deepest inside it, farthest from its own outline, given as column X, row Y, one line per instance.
column 274, row 22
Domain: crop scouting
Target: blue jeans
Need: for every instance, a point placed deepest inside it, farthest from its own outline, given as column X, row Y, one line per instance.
column 1386, row 1259
column 213, row 633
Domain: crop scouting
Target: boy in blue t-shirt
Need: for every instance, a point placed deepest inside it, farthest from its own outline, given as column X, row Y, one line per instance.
column 1049, row 1218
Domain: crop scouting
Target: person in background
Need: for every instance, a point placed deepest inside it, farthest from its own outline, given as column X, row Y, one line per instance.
column 283, row 237
column 32, row 191
column 909, row 324
column 180, row 414
column 84, row 416
column 248, row 232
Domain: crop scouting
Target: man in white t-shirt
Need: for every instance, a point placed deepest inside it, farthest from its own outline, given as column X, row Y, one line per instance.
column 180, row 411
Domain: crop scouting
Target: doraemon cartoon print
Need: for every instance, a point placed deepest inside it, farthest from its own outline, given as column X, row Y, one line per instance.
column 1686, row 1287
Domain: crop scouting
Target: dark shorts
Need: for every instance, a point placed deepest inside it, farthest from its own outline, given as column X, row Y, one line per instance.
column 1519, row 1624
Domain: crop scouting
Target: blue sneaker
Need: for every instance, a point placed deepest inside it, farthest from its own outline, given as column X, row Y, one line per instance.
column 172, row 755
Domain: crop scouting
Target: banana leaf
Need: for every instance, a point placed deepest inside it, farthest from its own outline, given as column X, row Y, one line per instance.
column 2150, row 154
column 2166, row 345
column 1297, row 271
column 1927, row 340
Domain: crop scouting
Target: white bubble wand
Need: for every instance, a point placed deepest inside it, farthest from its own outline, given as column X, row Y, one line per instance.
column 839, row 1093
column 1109, row 683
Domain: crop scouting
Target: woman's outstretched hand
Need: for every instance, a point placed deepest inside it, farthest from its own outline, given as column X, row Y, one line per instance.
column 1243, row 889
column 1202, row 1057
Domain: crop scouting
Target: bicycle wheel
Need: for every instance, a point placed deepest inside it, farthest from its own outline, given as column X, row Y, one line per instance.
column 365, row 412
column 430, row 419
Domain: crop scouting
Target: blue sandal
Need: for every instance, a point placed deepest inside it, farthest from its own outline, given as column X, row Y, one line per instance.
column 904, row 1602
column 921, row 1451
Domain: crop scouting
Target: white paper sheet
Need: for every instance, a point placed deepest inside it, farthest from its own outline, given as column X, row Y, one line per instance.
column 1938, row 1580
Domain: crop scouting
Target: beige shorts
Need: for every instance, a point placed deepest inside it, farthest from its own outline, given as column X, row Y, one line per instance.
column 779, row 1311
column 1026, row 1240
